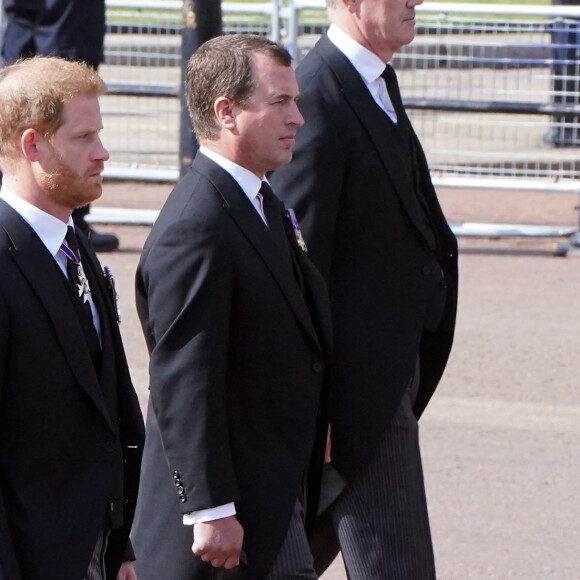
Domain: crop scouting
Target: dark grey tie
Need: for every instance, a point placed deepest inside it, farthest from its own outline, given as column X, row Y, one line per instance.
column 274, row 212
column 404, row 130
column 390, row 78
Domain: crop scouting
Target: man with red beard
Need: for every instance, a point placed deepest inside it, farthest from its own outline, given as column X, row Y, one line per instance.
column 71, row 432
column 71, row 29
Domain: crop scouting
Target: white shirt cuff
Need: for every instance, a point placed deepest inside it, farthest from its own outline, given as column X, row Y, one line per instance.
column 210, row 514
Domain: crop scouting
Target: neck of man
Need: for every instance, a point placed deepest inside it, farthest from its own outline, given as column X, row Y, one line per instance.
column 229, row 152
column 349, row 23
column 27, row 188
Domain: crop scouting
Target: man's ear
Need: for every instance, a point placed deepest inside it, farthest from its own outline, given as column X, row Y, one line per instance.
column 31, row 144
column 225, row 111
column 351, row 5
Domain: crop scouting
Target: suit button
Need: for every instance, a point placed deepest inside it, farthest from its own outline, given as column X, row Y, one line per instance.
column 426, row 270
column 110, row 447
column 317, row 367
column 182, row 498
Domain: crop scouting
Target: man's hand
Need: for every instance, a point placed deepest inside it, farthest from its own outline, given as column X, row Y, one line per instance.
column 219, row 542
column 127, row 572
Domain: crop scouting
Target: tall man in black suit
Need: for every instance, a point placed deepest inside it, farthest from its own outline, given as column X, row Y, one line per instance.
column 71, row 431
column 72, row 29
column 360, row 185
column 237, row 323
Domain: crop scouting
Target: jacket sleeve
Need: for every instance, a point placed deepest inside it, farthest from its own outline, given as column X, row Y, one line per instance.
column 184, row 288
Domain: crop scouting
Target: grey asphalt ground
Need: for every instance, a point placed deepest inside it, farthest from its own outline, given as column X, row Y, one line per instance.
column 500, row 439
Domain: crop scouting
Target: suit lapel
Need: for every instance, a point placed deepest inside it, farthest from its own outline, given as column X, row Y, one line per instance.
column 316, row 297
column 44, row 277
column 369, row 114
column 249, row 222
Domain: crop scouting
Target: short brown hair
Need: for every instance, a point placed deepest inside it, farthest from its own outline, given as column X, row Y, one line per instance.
column 33, row 93
column 222, row 67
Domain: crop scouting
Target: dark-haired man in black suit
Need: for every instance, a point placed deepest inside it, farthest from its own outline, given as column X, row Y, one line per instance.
column 237, row 323
column 360, row 185
column 71, row 431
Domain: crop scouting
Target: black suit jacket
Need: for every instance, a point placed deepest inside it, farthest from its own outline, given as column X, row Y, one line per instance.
column 237, row 366
column 353, row 191
column 72, row 29
column 64, row 429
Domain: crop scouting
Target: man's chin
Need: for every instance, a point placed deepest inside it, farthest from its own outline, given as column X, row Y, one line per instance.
column 283, row 159
column 90, row 194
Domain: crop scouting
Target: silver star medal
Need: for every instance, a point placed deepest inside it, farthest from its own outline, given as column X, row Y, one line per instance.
column 82, row 284
column 297, row 231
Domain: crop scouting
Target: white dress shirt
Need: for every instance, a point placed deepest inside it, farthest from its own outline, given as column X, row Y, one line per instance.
column 368, row 65
column 51, row 232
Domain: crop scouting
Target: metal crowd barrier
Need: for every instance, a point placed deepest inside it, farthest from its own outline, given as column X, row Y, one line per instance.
column 142, row 70
column 492, row 90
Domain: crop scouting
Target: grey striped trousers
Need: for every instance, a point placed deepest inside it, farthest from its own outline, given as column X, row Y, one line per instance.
column 381, row 519
column 294, row 560
column 96, row 569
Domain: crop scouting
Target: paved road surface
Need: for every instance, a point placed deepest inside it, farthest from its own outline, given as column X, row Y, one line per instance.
column 501, row 437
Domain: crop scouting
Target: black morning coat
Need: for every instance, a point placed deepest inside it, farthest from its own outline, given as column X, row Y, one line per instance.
column 353, row 189
column 71, row 436
column 238, row 354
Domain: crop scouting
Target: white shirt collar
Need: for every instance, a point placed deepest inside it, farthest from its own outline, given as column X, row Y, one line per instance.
column 248, row 181
column 48, row 228
column 366, row 63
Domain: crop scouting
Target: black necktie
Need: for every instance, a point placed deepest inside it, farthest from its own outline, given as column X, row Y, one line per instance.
column 390, row 78
column 273, row 210
column 403, row 126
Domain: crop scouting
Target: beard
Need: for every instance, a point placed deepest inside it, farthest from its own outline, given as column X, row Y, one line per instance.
column 68, row 188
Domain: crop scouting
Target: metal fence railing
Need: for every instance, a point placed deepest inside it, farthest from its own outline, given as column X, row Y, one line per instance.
column 492, row 90
column 142, row 70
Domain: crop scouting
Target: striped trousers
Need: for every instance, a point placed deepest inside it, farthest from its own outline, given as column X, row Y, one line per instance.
column 96, row 569
column 294, row 560
column 381, row 520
